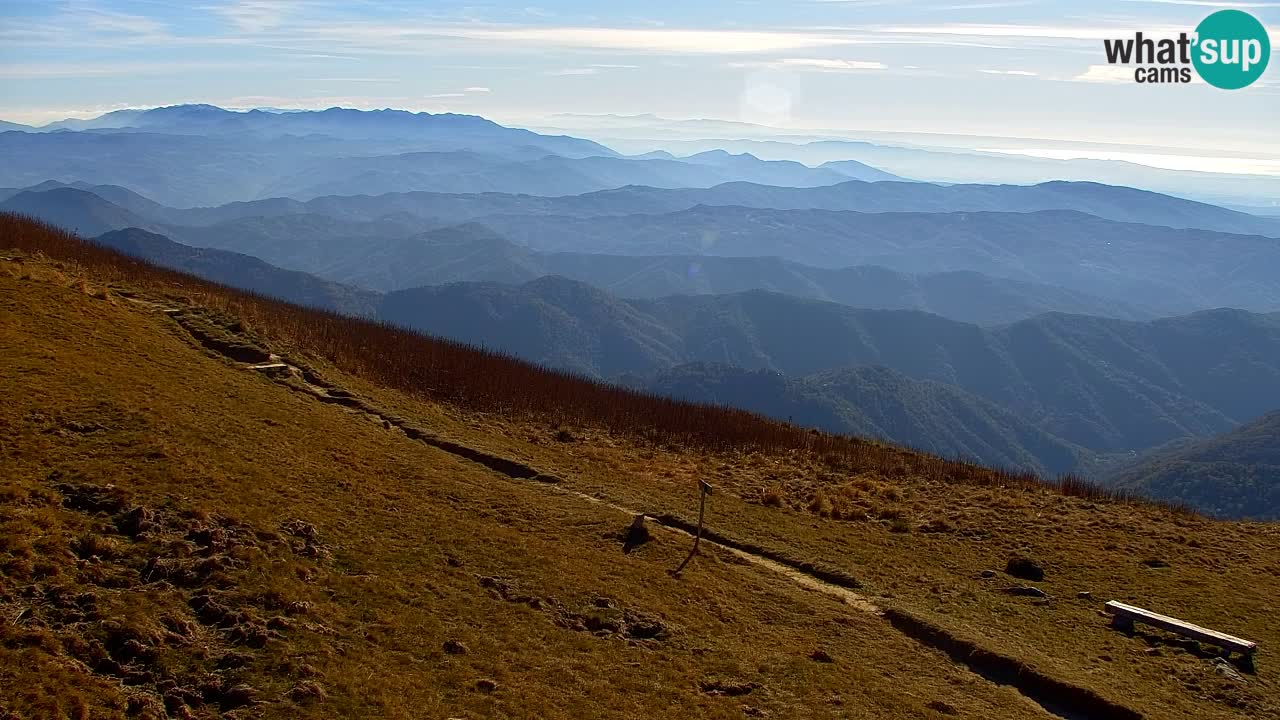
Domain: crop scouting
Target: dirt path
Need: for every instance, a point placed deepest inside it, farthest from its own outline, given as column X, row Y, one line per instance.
column 1056, row 698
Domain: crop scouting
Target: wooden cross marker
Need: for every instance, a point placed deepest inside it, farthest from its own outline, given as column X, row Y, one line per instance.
column 704, row 489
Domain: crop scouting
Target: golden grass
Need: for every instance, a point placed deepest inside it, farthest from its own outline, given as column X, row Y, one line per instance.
column 102, row 394
column 119, row 393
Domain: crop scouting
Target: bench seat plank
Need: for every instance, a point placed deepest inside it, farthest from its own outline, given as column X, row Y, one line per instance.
column 1213, row 637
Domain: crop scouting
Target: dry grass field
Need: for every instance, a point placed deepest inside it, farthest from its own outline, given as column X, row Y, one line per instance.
column 182, row 535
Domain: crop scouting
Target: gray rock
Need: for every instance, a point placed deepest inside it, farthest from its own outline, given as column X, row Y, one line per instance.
column 1227, row 670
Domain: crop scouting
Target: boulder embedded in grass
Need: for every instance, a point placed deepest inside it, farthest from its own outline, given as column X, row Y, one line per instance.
column 1025, row 568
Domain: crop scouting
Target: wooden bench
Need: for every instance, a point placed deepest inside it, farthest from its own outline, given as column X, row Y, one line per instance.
column 1124, row 616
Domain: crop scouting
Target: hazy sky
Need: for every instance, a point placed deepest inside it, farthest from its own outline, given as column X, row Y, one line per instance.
column 1001, row 67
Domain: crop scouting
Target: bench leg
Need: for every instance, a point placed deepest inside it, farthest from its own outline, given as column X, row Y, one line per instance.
column 1122, row 623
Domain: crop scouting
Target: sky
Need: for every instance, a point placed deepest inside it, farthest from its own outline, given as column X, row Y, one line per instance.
column 1009, row 68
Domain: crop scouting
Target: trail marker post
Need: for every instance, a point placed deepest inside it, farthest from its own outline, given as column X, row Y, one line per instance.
column 704, row 489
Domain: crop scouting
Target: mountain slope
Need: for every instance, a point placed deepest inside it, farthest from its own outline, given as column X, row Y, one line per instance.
column 123, row 197
column 1193, row 269
column 877, row 402
column 242, row 271
column 73, row 209
column 302, row 241
column 252, row 548
column 550, row 321
column 1235, row 474
column 1107, row 385
column 309, row 242
column 964, row 296
column 451, row 254
column 254, row 542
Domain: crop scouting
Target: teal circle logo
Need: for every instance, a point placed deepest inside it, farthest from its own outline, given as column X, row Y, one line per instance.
column 1232, row 49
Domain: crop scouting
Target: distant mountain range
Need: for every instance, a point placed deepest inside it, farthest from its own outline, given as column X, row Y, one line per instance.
column 291, row 141
column 1055, row 393
column 1056, row 327
column 200, row 155
column 1106, row 385
column 1138, row 264
column 1235, row 474
column 941, row 159
column 375, row 256
column 338, row 123
column 1103, row 201
column 552, row 175
column 978, row 267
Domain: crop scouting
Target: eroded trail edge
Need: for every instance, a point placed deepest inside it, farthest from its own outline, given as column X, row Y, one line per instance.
column 1056, row 697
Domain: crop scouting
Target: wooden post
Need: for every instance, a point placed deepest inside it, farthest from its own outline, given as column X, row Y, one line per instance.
column 704, row 489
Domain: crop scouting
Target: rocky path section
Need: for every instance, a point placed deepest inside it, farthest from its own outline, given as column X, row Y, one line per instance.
column 227, row 339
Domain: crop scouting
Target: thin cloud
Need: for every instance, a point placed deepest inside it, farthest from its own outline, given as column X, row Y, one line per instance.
column 1023, row 73
column 255, row 16
column 117, row 22
column 32, row 71
column 1050, row 32
column 834, row 65
column 81, row 25
column 667, row 40
column 476, row 90
column 323, row 56
column 1210, row 3
column 1117, row 74
column 813, row 64
column 353, row 79
column 592, row 69
column 1112, row 74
